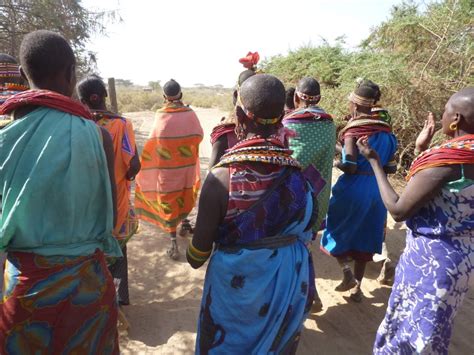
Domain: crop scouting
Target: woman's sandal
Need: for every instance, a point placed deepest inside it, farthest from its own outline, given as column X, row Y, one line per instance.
column 387, row 274
column 347, row 282
column 173, row 251
column 356, row 293
column 185, row 228
column 123, row 324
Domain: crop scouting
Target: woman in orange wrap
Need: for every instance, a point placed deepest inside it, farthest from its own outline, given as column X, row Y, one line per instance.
column 168, row 184
column 93, row 93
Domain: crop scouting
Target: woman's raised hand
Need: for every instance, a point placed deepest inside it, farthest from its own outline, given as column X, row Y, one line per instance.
column 365, row 149
column 426, row 135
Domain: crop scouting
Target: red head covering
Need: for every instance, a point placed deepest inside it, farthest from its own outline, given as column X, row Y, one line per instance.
column 250, row 61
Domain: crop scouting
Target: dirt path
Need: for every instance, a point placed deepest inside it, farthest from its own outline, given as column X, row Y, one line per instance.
column 166, row 295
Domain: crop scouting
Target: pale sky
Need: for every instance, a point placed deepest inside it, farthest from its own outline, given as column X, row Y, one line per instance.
column 201, row 41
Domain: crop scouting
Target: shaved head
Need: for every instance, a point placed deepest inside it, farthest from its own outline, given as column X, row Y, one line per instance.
column 458, row 113
column 263, row 95
column 463, row 102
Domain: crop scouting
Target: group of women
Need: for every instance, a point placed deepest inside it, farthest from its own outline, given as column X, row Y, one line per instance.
column 259, row 283
column 264, row 199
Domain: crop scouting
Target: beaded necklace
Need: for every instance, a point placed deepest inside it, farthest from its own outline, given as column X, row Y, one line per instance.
column 268, row 150
column 13, row 87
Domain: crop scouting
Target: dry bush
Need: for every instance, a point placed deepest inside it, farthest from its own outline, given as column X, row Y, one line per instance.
column 419, row 59
column 134, row 99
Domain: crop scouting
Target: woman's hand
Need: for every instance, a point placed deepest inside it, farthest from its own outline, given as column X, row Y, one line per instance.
column 365, row 149
column 426, row 135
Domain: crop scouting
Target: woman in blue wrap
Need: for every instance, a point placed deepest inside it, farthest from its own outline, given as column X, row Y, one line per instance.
column 257, row 209
column 356, row 215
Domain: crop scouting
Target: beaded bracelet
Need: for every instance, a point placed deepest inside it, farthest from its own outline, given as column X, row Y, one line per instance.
column 196, row 254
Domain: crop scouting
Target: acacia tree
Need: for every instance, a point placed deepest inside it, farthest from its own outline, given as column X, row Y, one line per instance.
column 68, row 17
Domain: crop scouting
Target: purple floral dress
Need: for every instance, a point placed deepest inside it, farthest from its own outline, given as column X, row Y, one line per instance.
column 432, row 276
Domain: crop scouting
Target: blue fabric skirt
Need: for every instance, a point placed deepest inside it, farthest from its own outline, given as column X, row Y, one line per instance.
column 255, row 301
column 356, row 216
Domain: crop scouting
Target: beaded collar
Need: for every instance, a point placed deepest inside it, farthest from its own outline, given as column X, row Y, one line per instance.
column 268, row 150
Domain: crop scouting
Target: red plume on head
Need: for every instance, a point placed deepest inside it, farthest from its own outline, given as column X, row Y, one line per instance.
column 250, row 61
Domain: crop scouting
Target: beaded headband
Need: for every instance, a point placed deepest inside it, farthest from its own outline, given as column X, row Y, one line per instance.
column 173, row 97
column 359, row 100
column 9, row 70
column 251, row 115
column 306, row 97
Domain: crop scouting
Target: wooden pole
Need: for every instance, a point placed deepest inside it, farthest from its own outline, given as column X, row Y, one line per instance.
column 113, row 95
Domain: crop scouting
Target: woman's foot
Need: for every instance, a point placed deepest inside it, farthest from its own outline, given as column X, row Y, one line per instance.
column 122, row 323
column 317, row 303
column 185, row 228
column 173, row 251
column 356, row 293
column 347, row 282
column 387, row 274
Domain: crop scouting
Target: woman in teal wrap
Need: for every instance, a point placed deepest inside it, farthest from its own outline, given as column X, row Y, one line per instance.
column 257, row 208
column 315, row 138
column 56, row 179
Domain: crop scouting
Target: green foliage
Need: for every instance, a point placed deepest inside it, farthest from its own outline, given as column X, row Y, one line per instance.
column 68, row 17
column 419, row 59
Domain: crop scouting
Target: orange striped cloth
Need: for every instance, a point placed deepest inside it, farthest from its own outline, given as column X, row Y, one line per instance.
column 169, row 181
column 458, row 150
column 123, row 139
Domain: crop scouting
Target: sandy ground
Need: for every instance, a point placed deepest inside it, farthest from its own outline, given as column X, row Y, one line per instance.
column 166, row 295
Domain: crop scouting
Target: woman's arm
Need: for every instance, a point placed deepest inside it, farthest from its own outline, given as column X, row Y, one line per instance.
column 391, row 166
column 109, row 154
column 420, row 189
column 135, row 166
column 211, row 212
column 218, row 150
column 349, row 163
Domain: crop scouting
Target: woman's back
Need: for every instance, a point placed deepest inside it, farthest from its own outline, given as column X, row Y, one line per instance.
column 55, row 157
column 262, row 203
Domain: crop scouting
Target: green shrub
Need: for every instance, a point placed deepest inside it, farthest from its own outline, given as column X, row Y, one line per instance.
column 419, row 59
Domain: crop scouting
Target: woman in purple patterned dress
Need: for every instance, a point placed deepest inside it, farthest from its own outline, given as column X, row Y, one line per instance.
column 433, row 273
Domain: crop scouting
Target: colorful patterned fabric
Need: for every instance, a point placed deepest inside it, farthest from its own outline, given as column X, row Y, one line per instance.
column 314, row 143
column 123, row 137
column 459, row 150
column 356, row 214
column 58, row 305
column 365, row 125
column 228, row 130
column 383, row 114
column 55, row 186
column 256, row 299
column 169, row 181
column 432, row 276
column 9, row 70
column 7, row 91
